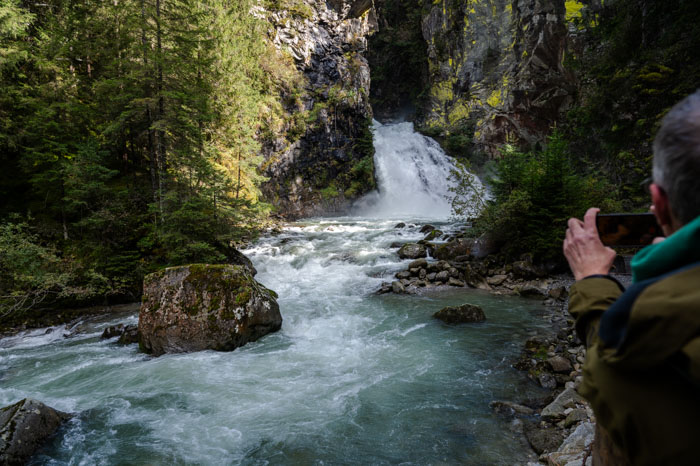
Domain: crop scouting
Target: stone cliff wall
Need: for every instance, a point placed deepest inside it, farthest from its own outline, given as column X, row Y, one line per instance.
column 496, row 69
column 322, row 157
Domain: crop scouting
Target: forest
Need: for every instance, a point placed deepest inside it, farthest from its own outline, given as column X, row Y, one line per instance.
column 138, row 134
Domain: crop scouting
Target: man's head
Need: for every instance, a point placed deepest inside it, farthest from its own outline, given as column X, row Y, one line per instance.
column 677, row 164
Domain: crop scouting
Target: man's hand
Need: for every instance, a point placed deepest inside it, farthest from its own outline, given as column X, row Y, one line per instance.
column 583, row 249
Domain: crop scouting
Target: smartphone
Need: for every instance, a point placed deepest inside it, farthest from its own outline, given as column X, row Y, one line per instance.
column 627, row 230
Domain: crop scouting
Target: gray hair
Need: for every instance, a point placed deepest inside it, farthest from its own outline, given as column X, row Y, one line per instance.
column 676, row 167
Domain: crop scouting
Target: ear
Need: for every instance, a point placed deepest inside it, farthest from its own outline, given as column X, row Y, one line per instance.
column 662, row 209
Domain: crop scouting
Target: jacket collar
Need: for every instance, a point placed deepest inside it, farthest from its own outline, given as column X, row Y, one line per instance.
column 678, row 250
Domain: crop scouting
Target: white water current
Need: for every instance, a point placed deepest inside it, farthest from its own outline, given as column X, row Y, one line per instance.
column 352, row 377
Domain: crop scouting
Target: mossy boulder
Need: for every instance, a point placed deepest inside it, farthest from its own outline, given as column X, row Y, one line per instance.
column 24, row 428
column 198, row 307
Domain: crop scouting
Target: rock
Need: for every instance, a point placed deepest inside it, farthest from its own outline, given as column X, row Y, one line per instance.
column 24, row 428
column 442, row 276
column 384, row 288
column 455, row 282
column 127, row 334
column 403, row 275
column 197, row 307
column 574, row 447
column 433, row 235
column 112, row 332
column 547, row 381
column 510, row 408
column 395, row 245
column 400, row 225
column 484, row 246
column 496, row 280
column 412, row 251
column 426, row 228
column 566, row 399
column 541, row 440
column 431, row 276
column 455, row 248
column 398, row 287
column 559, row 293
column 422, row 274
column 559, row 364
column 466, row 313
column 418, row 264
column 530, row 291
column 525, row 270
column 454, row 273
column 328, row 45
column 575, row 416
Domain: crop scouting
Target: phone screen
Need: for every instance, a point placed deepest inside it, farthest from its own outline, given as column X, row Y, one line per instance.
column 627, row 230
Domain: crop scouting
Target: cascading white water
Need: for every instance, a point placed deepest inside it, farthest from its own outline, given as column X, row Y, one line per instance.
column 413, row 175
column 351, row 378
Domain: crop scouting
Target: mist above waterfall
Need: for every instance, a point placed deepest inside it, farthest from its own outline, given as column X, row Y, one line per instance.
column 413, row 175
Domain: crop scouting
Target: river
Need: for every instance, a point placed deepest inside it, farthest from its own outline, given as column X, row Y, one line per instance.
column 352, row 377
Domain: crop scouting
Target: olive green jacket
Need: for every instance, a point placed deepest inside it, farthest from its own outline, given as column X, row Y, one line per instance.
column 642, row 369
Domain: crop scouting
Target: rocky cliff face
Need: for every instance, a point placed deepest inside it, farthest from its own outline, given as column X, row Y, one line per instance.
column 496, row 69
column 322, row 158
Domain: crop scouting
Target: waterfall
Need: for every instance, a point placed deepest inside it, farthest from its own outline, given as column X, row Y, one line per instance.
column 412, row 174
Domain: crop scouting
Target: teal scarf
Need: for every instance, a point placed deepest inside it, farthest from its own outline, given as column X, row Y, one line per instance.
column 679, row 249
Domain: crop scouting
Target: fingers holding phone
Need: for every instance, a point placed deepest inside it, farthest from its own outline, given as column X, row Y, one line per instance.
column 583, row 248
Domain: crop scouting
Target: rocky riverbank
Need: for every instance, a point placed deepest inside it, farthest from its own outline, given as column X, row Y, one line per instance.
column 560, row 428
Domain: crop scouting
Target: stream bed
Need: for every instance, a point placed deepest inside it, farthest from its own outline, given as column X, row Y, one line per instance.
column 351, row 378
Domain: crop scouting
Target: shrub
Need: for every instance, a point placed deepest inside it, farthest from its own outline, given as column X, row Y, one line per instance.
column 533, row 196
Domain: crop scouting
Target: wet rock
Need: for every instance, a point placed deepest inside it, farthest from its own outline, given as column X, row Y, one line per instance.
column 426, row 228
column 418, row 263
column 395, row 245
column 398, row 287
column 431, row 276
column 422, row 273
column 433, row 235
column 199, row 306
column 559, row 364
column 442, row 276
column 412, row 251
column 400, row 225
column 384, row 288
column 566, row 399
column 510, row 408
column 455, row 282
column 127, row 334
column 466, row 313
column 24, row 428
column 112, row 332
column 496, row 280
column 403, row 275
column 543, row 439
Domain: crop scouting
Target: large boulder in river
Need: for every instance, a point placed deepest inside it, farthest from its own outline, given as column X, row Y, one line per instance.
column 461, row 314
column 198, row 307
column 24, row 428
column 412, row 251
